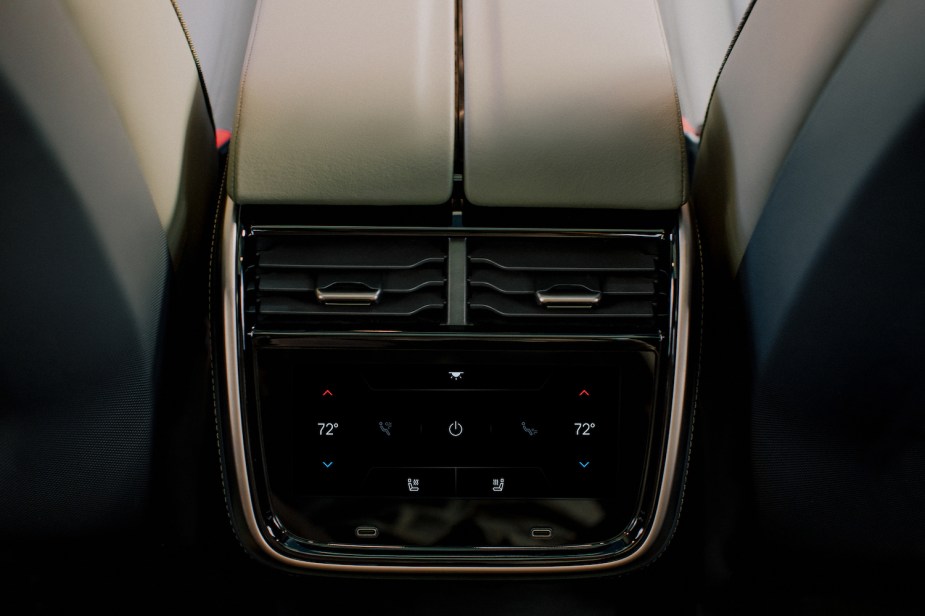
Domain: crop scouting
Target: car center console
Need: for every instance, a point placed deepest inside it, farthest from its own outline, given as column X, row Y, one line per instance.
column 454, row 387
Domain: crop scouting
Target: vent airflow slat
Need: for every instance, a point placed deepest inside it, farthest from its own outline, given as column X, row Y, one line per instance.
column 285, row 282
column 398, row 307
column 509, row 282
column 618, row 283
column 508, row 307
column 306, row 281
column 403, row 281
column 561, row 255
column 351, row 253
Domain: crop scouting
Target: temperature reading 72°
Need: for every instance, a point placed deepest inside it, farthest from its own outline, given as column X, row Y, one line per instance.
column 583, row 428
column 326, row 428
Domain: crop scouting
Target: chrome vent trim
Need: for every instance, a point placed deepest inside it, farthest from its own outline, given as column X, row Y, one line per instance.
column 548, row 281
column 299, row 281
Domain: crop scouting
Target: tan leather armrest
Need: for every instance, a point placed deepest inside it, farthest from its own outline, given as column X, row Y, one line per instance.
column 570, row 104
column 347, row 102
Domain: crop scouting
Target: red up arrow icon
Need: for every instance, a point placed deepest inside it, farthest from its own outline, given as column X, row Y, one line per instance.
column 584, row 392
column 327, row 392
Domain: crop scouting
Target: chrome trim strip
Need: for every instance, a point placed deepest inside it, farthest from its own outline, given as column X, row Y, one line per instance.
column 568, row 300
column 347, row 298
column 454, row 232
column 671, row 473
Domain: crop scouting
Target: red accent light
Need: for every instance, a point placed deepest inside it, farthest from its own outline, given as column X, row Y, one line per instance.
column 584, row 392
column 222, row 137
column 327, row 392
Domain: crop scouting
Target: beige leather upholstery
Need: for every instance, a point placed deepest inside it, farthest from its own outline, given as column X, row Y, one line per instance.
column 699, row 33
column 570, row 104
column 109, row 169
column 145, row 61
column 347, row 102
column 140, row 57
column 69, row 105
column 219, row 30
column 132, row 58
column 782, row 58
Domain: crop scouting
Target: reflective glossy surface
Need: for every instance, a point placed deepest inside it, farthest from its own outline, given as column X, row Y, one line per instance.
column 435, row 449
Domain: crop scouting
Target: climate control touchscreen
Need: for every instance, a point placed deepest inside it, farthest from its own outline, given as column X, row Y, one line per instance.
column 476, row 448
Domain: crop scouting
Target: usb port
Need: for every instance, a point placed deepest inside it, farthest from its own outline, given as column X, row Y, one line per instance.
column 367, row 532
column 541, row 533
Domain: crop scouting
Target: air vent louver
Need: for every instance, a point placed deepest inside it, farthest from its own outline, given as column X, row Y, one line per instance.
column 367, row 281
column 547, row 282
column 300, row 280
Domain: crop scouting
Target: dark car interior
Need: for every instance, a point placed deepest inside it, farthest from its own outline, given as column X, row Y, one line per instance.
column 515, row 307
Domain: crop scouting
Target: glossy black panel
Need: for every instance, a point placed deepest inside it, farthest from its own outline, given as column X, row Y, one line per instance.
column 442, row 444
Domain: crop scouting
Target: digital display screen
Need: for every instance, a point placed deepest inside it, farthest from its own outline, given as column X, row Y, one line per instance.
column 350, row 435
column 456, row 431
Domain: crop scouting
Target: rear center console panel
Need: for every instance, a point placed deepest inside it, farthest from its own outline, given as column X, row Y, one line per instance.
column 454, row 420
column 446, row 345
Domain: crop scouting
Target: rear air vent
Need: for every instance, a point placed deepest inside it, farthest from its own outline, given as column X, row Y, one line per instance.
column 615, row 283
column 303, row 281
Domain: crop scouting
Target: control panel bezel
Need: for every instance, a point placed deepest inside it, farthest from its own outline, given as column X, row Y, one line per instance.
column 320, row 453
column 265, row 536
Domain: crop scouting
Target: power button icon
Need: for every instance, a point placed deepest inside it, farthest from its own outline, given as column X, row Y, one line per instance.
column 456, row 428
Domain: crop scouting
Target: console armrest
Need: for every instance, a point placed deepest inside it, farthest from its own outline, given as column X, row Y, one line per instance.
column 570, row 104
column 347, row 102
